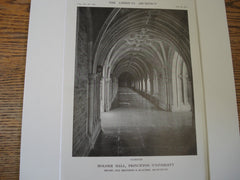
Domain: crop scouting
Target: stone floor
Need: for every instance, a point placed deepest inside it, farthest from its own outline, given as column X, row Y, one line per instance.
column 137, row 128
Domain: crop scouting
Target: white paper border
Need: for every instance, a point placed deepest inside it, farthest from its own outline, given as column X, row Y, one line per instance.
column 76, row 167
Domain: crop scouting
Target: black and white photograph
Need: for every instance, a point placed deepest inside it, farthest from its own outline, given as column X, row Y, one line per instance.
column 133, row 85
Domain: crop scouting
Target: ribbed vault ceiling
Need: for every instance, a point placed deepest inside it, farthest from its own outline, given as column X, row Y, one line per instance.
column 140, row 41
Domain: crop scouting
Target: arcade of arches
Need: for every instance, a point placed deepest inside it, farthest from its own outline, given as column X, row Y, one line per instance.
column 132, row 60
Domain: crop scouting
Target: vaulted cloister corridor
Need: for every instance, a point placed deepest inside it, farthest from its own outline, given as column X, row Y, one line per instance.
column 137, row 128
column 133, row 86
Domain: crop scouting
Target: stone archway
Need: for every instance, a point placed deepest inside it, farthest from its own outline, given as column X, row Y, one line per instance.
column 145, row 50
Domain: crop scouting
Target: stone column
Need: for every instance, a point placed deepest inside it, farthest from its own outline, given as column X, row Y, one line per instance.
column 146, row 89
column 102, row 95
column 167, row 94
column 152, row 85
column 106, row 94
column 180, row 90
column 185, row 93
column 94, row 125
column 155, row 86
column 148, row 86
column 98, row 96
column 141, row 89
column 91, row 96
column 186, row 104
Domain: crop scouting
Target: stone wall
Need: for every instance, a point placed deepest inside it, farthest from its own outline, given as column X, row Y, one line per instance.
column 80, row 120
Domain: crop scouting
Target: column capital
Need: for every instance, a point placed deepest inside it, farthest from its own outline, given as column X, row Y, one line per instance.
column 92, row 76
column 107, row 79
column 183, row 76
